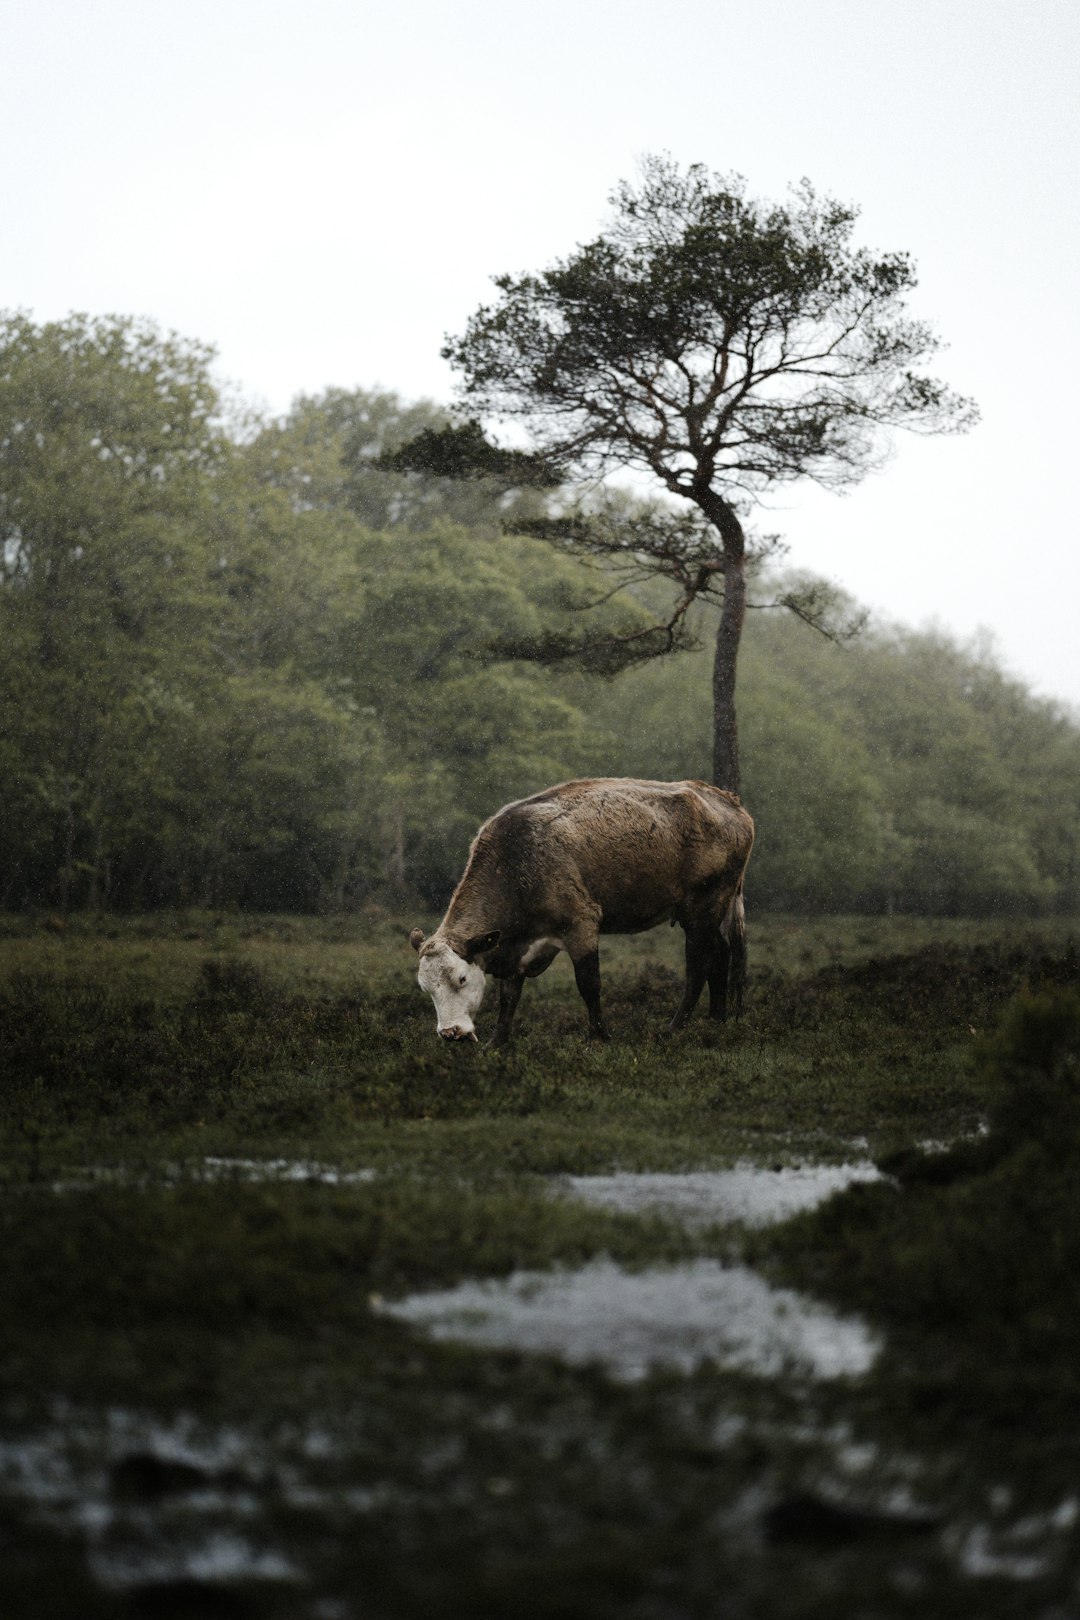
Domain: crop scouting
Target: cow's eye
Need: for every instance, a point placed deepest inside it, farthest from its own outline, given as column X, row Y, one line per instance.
column 464, row 976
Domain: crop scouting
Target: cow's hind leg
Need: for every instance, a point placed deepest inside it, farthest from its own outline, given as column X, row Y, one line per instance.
column 509, row 996
column 719, row 974
column 699, row 956
column 587, row 974
column 733, row 935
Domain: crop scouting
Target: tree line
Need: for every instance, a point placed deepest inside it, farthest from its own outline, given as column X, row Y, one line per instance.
column 253, row 663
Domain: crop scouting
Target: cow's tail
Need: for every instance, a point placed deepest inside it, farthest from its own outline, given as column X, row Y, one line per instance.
column 733, row 929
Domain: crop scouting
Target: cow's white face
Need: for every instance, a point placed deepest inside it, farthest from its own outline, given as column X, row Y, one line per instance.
column 457, row 989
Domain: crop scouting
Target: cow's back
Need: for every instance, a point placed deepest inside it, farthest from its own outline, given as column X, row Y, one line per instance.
column 635, row 850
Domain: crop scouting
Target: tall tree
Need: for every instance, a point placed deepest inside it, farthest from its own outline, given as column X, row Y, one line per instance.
column 723, row 345
column 109, row 431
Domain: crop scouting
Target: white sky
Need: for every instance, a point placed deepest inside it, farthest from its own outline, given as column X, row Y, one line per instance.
column 322, row 189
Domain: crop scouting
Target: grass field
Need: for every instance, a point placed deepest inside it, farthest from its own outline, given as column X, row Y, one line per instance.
column 209, row 1410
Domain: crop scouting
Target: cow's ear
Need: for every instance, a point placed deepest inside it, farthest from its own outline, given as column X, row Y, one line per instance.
column 481, row 943
column 416, row 938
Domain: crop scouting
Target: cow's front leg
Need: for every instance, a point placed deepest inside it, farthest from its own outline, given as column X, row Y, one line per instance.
column 587, row 974
column 509, row 996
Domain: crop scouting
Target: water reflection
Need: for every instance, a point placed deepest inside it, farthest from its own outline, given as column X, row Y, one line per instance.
column 676, row 1316
column 155, row 1500
column 746, row 1193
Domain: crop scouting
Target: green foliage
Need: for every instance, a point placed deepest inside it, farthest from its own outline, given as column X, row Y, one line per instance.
column 900, row 772
column 109, row 448
column 1034, row 1065
column 223, row 688
column 724, row 346
column 392, row 465
column 463, row 451
column 720, row 342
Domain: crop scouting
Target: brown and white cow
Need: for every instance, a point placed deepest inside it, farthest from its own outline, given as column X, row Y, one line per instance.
column 610, row 855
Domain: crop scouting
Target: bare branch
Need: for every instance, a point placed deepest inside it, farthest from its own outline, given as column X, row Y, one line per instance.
column 821, row 607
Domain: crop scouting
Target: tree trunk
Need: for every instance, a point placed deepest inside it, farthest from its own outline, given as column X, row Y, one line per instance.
column 725, row 520
column 725, row 668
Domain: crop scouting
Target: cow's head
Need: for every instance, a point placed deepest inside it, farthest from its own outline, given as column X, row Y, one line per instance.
column 454, row 982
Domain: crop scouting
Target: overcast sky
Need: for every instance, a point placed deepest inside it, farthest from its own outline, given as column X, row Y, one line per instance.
column 323, row 189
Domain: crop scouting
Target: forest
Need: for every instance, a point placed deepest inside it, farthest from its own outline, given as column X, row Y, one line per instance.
column 245, row 665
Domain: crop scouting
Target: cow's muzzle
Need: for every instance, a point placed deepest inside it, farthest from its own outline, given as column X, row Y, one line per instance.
column 457, row 1032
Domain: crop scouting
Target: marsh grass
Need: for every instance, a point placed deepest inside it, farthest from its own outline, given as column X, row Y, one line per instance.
column 478, row 1483
column 972, row 1254
column 300, row 1038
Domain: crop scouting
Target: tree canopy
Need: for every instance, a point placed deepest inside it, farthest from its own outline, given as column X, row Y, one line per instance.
column 722, row 345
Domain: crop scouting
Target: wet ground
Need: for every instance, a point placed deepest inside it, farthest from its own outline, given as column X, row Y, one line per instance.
column 193, row 1517
column 314, row 1319
column 676, row 1316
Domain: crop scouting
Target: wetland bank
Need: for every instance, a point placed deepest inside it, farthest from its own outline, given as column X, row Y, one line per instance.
column 233, row 1148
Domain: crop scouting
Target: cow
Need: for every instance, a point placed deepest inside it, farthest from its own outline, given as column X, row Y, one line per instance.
column 609, row 855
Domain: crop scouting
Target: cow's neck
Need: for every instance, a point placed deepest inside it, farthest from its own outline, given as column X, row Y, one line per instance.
column 477, row 906
column 463, row 923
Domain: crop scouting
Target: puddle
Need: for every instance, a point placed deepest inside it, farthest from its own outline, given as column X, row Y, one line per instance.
column 154, row 1501
column 1025, row 1550
column 217, row 1169
column 745, row 1193
column 220, row 1556
column 676, row 1316
column 284, row 1170
column 158, row 1503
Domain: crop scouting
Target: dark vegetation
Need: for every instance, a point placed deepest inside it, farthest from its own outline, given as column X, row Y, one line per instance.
column 973, row 1257
column 147, row 1063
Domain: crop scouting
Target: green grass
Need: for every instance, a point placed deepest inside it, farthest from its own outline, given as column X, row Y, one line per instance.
column 133, row 1050
column 282, row 1036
